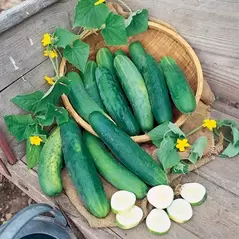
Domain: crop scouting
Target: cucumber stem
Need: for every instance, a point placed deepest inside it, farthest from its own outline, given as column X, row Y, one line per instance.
column 193, row 131
column 217, row 134
column 125, row 5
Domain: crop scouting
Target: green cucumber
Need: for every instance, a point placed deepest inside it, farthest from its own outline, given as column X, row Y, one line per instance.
column 134, row 87
column 179, row 88
column 112, row 170
column 120, row 52
column 158, row 91
column 90, row 83
column 82, row 170
column 127, row 151
column 50, row 165
column 79, row 98
column 115, row 101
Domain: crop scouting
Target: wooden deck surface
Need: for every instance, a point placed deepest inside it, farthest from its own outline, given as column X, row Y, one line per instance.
column 212, row 28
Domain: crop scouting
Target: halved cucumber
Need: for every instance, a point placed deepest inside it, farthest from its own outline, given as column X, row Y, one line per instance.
column 129, row 219
column 122, row 201
column 158, row 222
column 180, row 210
column 194, row 193
column 160, row 196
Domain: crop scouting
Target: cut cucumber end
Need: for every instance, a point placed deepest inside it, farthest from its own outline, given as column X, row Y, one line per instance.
column 122, row 202
column 158, row 222
column 180, row 211
column 194, row 193
column 160, row 196
column 129, row 219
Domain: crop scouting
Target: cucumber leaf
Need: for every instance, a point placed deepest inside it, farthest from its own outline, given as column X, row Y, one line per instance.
column 180, row 168
column 197, row 149
column 18, row 125
column 33, row 153
column 167, row 153
column 235, row 135
column 138, row 24
column 130, row 18
column 89, row 15
column 114, row 32
column 64, row 37
column 28, row 102
column 231, row 151
column 77, row 54
column 176, row 130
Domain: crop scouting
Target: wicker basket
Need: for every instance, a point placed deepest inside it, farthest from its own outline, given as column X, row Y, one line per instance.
column 159, row 40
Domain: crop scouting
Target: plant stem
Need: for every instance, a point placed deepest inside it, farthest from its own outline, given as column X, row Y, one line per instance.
column 193, row 131
column 226, row 139
column 54, row 66
column 125, row 5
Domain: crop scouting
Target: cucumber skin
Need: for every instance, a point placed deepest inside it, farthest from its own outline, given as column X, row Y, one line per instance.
column 82, row 170
column 50, row 165
column 115, row 101
column 120, row 52
column 134, row 87
column 127, row 151
column 112, row 170
column 180, row 91
column 90, row 83
column 79, row 98
column 158, row 91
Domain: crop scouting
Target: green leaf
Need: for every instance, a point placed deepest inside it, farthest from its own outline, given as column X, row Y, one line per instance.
column 90, row 16
column 231, row 151
column 180, row 168
column 176, row 130
column 62, row 86
column 139, row 23
column 114, row 32
column 28, row 102
column 235, row 135
column 33, row 153
column 225, row 123
column 130, row 18
column 18, row 125
column 167, row 153
column 64, row 37
column 77, row 54
column 197, row 149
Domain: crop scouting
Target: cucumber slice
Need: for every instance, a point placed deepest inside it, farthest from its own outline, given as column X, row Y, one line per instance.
column 158, row 222
column 160, row 196
column 122, row 201
column 180, row 211
column 194, row 193
column 129, row 219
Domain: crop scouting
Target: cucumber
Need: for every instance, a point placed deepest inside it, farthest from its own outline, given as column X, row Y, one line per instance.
column 122, row 201
column 90, row 83
column 194, row 193
column 80, row 99
column 120, row 52
column 127, row 151
column 158, row 91
column 82, row 170
column 160, row 196
column 179, row 89
column 158, row 222
column 111, row 169
column 134, row 87
column 50, row 165
column 115, row 101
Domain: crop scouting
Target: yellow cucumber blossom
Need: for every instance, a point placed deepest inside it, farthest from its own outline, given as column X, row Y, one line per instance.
column 182, row 144
column 99, row 2
column 49, row 80
column 52, row 54
column 210, row 124
column 46, row 40
column 35, row 140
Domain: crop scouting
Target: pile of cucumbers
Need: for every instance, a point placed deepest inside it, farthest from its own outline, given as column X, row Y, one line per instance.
column 134, row 93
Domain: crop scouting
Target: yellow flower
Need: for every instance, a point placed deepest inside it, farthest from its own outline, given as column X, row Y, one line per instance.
column 99, row 2
column 182, row 144
column 35, row 140
column 52, row 54
column 46, row 39
column 49, row 80
column 210, row 124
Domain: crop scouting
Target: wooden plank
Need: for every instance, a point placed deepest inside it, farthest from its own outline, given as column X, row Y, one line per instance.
column 228, row 108
column 17, row 14
column 21, row 48
column 211, row 27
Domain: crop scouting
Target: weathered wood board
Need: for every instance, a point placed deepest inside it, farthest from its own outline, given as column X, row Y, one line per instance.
column 211, row 27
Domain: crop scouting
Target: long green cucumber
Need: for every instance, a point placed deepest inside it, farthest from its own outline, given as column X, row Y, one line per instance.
column 120, row 52
column 80, row 99
column 115, row 101
column 179, row 88
column 50, row 165
column 134, row 87
column 111, row 169
column 82, row 170
column 158, row 91
column 90, row 83
column 127, row 151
